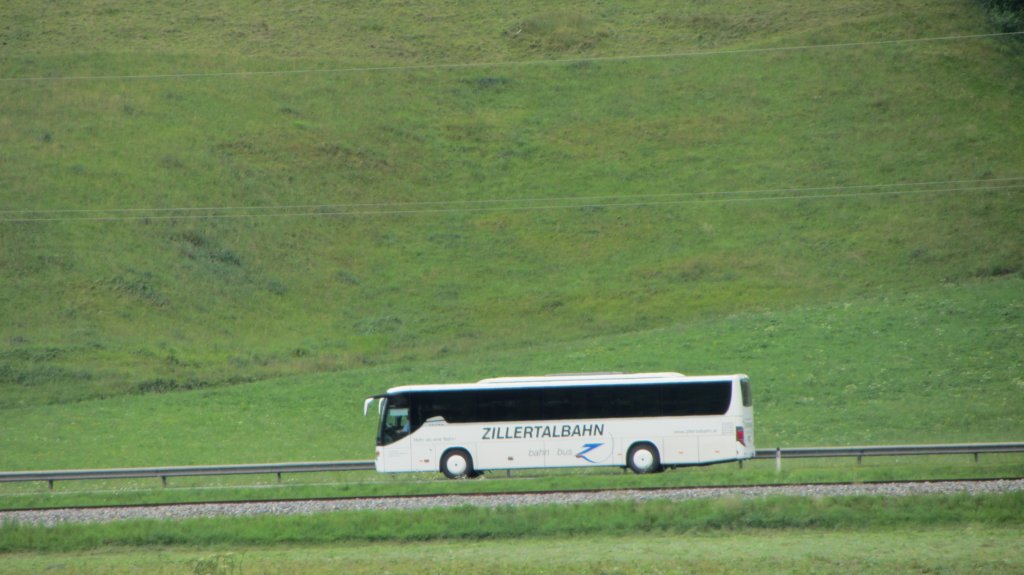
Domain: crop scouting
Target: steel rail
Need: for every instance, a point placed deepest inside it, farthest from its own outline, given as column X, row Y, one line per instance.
column 333, row 466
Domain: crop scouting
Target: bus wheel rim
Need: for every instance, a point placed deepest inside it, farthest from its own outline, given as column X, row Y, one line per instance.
column 456, row 465
column 643, row 459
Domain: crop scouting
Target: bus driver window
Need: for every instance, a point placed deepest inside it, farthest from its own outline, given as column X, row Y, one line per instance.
column 396, row 423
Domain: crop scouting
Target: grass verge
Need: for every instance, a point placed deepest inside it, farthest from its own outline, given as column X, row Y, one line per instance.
column 978, row 549
column 621, row 518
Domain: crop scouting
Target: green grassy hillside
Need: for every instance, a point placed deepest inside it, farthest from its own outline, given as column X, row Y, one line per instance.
column 311, row 201
column 939, row 365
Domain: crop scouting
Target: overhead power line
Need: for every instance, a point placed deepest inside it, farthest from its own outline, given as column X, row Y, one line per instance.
column 1013, row 185
column 517, row 63
column 483, row 201
column 508, row 200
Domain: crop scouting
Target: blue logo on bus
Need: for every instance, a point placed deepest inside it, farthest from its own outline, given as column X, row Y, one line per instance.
column 588, row 447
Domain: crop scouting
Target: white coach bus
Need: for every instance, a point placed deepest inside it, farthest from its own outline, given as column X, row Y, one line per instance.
column 643, row 421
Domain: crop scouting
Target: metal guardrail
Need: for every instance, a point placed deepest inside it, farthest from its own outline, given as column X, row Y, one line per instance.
column 330, row 466
column 190, row 471
column 778, row 454
column 954, row 449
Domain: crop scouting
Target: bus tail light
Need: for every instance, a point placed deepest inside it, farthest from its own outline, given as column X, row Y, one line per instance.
column 740, row 436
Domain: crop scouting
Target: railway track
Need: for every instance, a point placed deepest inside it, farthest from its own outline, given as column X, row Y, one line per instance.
column 176, row 511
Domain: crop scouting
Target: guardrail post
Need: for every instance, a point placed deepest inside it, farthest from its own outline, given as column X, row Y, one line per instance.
column 778, row 460
column 50, row 481
column 860, row 456
column 279, row 477
column 163, row 479
column 975, row 456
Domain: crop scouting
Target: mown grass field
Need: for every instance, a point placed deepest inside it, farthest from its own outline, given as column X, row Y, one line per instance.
column 979, row 550
column 873, row 534
column 222, row 226
column 769, row 551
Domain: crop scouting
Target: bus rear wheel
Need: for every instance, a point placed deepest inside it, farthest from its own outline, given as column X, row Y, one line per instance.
column 457, row 464
column 643, row 458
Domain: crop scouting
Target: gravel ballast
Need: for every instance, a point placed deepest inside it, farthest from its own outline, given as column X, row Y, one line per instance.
column 51, row 517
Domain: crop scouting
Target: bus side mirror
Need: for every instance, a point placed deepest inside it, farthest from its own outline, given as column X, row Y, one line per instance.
column 366, row 405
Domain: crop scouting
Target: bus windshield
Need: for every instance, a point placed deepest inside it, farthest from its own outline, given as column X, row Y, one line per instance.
column 395, row 423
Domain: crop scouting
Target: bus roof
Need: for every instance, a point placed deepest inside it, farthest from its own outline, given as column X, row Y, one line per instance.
column 565, row 380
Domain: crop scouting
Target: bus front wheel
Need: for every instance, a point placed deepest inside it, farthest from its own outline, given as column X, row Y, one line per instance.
column 457, row 464
column 643, row 458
